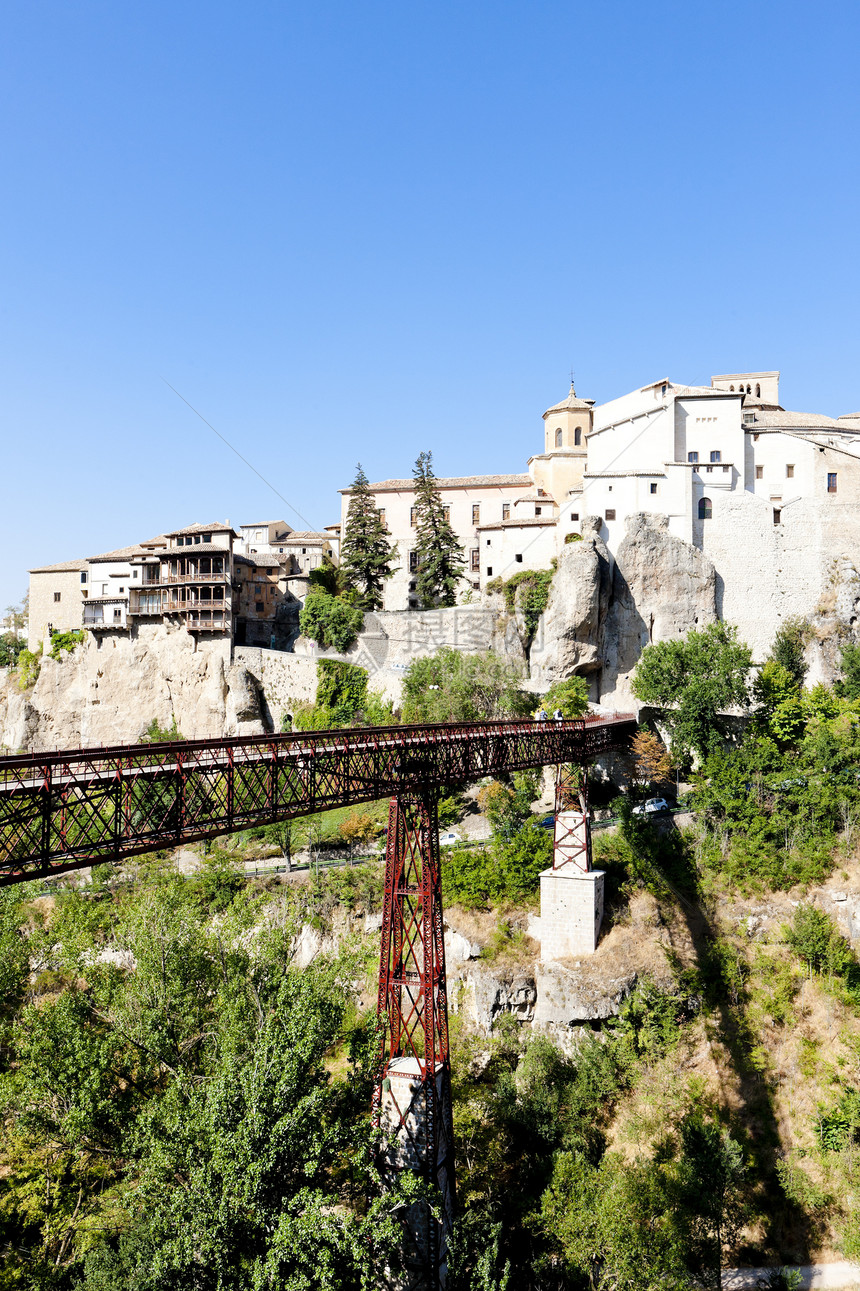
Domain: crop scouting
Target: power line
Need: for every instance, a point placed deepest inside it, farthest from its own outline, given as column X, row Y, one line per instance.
column 226, row 441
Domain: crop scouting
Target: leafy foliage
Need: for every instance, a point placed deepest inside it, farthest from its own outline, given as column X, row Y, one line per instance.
column 652, row 760
column 526, row 591
column 570, row 697
column 65, row 642
column 849, row 685
column 453, row 687
column 440, row 558
column 155, row 733
column 11, row 646
column 342, row 699
column 28, row 666
column 788, row 648
column 330, row 620
column 694, row 681
column 366, row 553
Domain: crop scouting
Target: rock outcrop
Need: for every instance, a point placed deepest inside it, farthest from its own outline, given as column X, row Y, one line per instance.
column 571, row 635
column 109, row 695
column 662, row 587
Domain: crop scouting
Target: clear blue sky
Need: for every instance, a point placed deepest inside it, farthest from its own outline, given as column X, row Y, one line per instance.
column 353, row 231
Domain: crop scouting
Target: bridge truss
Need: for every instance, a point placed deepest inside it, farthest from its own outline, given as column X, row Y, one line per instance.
column 67, row 810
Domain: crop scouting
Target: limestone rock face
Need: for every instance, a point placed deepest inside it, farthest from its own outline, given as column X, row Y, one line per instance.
column 481, row 997
column 662, row 588
column 572, row 995
column 109, row 695
column 571, row 636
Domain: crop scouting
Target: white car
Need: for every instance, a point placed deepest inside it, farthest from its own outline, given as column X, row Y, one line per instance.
column 651, row 807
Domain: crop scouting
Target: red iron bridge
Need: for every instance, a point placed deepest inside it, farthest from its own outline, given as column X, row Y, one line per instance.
column 71, row 809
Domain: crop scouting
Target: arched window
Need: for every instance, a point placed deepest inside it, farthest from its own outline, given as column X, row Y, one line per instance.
column 757, row 390
column 705, row 508
column 732, row 389
column 577, row 436
column 749, row 389
column 558, row 439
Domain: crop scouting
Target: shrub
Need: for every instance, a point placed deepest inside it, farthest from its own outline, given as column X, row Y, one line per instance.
column 453, row 687
column 331, row 621
column 28, row 667
column 65, row 642
column 527, row 591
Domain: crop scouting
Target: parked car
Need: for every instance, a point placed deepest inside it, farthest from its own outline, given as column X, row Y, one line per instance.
column 651, row 807
column 548, row 822
column 449, row 838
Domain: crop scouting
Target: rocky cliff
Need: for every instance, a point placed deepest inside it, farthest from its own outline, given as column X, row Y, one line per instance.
column 599, row 617
column 109, row 695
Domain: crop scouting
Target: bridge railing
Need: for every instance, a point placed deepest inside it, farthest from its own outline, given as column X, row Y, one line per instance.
column 70, row 808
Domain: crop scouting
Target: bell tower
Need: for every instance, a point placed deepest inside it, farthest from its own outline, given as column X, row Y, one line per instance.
column 567, row 425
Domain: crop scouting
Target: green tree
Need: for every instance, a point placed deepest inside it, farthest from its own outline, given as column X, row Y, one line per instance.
column 849, row 685
column 366, row 554
column 453, row 687
column 440, row 557
column 788, row 648
column 711, row 1210
column 330, row 620
column 694, row 682
column 569, row 696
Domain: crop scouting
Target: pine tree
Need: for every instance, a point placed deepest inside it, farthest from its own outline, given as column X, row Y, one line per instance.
column 440, row 558
column 366, row 555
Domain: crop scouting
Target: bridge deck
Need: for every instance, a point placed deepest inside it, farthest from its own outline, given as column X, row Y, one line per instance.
column 68, row 809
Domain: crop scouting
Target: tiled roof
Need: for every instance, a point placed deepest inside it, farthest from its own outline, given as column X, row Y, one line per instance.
column 218, row 526
column 121, row 553
column 64, row 566
column 450, row 482
column 571, row 404
column 265, row 524
column 306, row 536
column 533, row 523
column 793, row 421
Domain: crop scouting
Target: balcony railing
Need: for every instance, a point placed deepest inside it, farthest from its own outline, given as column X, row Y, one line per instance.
column 166, row 580
column 200, row 623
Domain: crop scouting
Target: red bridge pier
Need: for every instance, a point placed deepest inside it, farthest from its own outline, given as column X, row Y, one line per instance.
column 412, row 1101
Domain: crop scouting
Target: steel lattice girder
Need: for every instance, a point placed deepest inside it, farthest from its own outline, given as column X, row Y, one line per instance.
column 61, row 811
column 572, row 830
column 412, row 1094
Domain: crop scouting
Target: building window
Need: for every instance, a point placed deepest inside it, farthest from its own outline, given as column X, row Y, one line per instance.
column 663, row 390
column 413, row 562
column 506, row 510
column 518, row 558
column 83, row 576
column 759, row 472
column 749, row 418
column 577, row 436
column 831, row 484
column 538, row 511
column 692, row 457
column 476, row 513
column 757, row 390
column 56, row 596
column 117, row 616
column 777, row 516
column 716, row 456
column 206, row 537
column 258, row 606
column 610, row 515
column 558, row 439
column 709, row 469
column 380, row 513
column 413, row 516
column 574, row 515
column 489, row 571
column 475, row 560
column 446, row 512
column 653, row 488
column 789, row 472
column 705, row 509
